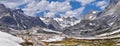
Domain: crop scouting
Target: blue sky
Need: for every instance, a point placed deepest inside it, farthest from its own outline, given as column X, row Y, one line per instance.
column 51, row 8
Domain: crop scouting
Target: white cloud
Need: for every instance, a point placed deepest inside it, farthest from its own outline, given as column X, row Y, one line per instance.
column 59, row 6
column 73, row 13
column 102, row 4
column 30, row 8
column 43, row 5
column 13, row 3
column 84, row 2
column 49, row 14
column 34, row 7
column 55, row 7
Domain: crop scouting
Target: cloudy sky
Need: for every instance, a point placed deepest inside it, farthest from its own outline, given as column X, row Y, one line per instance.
column 52, row 8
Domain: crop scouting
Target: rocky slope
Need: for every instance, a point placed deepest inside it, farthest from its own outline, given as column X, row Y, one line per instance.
column 16, row 19
column 106, row 22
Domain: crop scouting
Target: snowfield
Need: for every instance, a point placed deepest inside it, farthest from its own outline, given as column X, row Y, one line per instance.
column 9, row 40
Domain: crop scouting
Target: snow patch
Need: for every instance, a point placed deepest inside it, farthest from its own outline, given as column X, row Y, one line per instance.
column 48, row 30
column 54, row 38
column 9, row 40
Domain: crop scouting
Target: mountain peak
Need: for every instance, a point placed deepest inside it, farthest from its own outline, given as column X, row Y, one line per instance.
column 18, row 11
column 2, row 6
column 16, row 19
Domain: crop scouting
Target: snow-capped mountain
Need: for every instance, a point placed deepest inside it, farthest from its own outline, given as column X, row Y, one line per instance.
column 51, row 23
column 62, row 22
column 66, row 22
